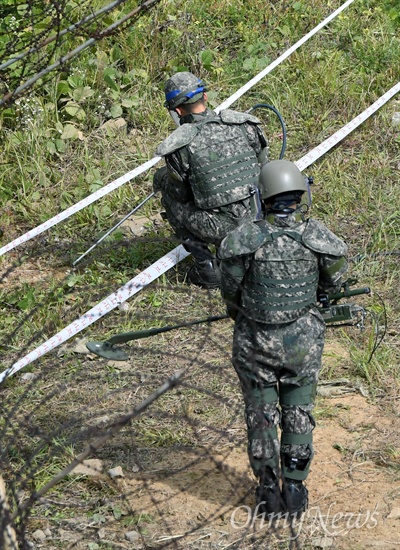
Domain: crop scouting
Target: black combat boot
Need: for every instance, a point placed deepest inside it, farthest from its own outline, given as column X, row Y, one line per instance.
column 268, row 498
column 295, row 497
column 205, row 273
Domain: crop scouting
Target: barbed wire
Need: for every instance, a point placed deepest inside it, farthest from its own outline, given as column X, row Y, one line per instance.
column 31, row 52
column 161, row 468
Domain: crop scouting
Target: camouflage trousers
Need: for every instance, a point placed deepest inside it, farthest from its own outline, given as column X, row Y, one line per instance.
column 188, row 221
column 278, row 367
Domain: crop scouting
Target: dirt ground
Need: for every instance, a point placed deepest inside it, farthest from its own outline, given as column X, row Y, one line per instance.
column 354, row 501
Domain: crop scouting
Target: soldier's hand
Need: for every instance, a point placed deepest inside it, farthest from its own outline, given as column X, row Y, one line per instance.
column 160, row 179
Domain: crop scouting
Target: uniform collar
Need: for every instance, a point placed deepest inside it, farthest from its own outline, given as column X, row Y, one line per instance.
column 196, row 117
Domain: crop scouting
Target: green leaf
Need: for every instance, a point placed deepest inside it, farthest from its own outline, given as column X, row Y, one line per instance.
column 80, row 94
column 63, row 88
column 69, row 132
column 60, row 145
column 117, row 512
column 28, row 301
column 261, row 63
column 51, row 147
column 207, row 57
column 75, row 110
column 22, row 9
column 99, row 518
column 74, row 81
column 128, row 103
column 116, row 110
column 116, row 53
column 93, row 187
column 248, row 64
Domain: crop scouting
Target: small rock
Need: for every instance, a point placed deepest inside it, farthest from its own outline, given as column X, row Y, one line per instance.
column 394, row 513
column 39, row 535
column 101, row 420
column 323, row 542
column 48, row 533
column 79, row 346
column 116, row 472
column 123, row 306
column 116, row 124
column 132, row 536
column 396, row 119
column 123, row 366
column 135, row 468
column 90, row 467
column 67, row 535
column 101, row 533
column 29, row 377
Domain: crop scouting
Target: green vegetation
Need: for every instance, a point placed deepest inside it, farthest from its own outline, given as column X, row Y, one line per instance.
column 59, row 145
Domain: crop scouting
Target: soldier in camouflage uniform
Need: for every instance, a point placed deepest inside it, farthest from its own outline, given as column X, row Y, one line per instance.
column 210, row 182
column 272, row 271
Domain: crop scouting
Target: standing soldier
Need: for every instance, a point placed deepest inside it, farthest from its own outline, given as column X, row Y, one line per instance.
column 272, row 271
column 210, row 182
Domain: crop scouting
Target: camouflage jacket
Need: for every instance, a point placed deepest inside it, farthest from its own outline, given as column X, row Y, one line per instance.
column 184, row 176
column 273, row 269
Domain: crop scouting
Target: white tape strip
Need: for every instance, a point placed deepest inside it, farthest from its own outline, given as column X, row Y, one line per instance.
column 108, row 304
column 338, row 136
column 168, row 261
column 286, row 54
column 131, row 175
column 79, row 205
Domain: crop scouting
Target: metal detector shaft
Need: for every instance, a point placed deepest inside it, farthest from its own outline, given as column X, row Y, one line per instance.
column 114, row 228
column 137, row 334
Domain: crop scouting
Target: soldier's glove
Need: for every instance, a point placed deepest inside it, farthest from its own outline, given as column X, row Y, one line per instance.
column 160, row 179
column 232, row 311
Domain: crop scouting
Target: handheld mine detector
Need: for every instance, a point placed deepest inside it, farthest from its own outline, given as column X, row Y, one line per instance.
column 334, row 314
column 175, row 118
column 106, row 349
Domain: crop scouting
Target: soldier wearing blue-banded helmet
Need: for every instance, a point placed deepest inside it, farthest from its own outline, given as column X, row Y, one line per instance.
column 272, row 272
column 210, row 182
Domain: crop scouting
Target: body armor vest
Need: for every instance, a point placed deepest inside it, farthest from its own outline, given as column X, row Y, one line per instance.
column 281, row 284
column 223, row 166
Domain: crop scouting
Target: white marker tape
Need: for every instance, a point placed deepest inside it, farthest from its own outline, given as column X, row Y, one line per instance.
column 108, row 304
column 79, row 205
column 166, row 262
column 131, row 175
column 281, row 58
column 335, row 138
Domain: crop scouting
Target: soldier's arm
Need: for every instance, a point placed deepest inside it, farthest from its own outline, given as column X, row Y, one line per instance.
column 233, row 271
column 258, row 141
column 331, row 271
column 178, row 184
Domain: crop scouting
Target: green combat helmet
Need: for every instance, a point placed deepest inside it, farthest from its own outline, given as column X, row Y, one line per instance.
column 281, row 177
column 181, row 88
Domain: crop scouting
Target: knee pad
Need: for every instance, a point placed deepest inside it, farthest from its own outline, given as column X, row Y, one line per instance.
column 294, row 467
column 297, row 395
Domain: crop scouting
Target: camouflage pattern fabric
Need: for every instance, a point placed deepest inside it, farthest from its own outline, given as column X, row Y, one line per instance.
column 274, row 360
column 272, row 272
column 276, row 356
column 210, row 226
column 187, row 219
